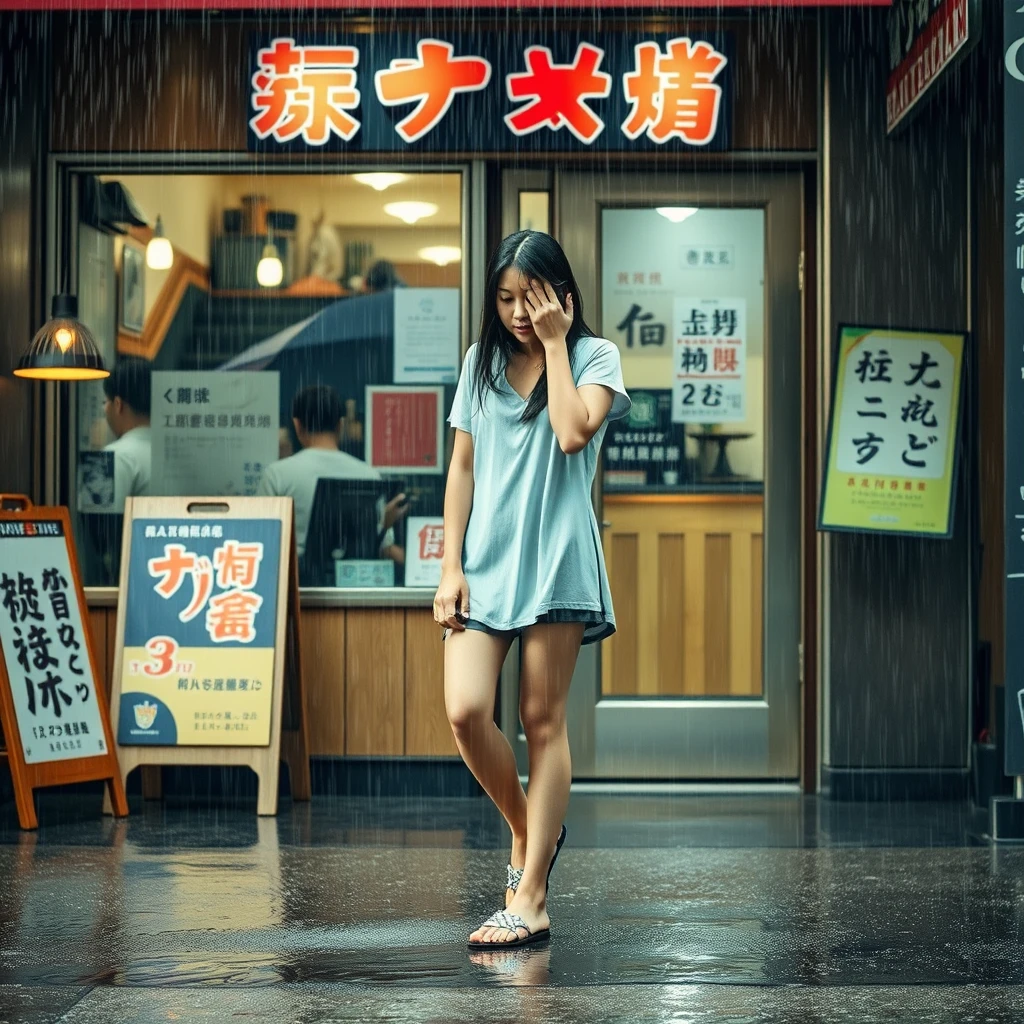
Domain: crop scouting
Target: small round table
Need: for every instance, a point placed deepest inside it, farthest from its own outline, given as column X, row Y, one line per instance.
column 722, row 467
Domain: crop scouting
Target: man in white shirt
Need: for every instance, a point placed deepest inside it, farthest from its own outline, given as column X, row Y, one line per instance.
column 126, row 407
column 317, row 416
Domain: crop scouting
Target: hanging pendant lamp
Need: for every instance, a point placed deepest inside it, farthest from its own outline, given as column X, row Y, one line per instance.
column 63, row 348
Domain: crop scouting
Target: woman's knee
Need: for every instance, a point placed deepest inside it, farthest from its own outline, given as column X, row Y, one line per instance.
column 467, row 717
column 542, row 722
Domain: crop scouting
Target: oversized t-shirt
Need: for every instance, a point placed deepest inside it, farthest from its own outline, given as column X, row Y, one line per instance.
column 532, row 543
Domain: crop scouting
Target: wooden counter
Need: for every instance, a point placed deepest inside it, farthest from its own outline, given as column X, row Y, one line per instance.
column 374, row 678
column 687, row 579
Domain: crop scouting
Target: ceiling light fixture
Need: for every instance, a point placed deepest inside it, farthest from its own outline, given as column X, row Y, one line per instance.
column 63, row 348
column 677, row 214
column 159, row 254
column 410, row 212
column 442, row 255
column 380, row 180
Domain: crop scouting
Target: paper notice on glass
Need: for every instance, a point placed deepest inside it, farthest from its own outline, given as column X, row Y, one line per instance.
column 709, row 373
column 426, row 330
column 213, row 432
column 424, row 550
column 96, row 482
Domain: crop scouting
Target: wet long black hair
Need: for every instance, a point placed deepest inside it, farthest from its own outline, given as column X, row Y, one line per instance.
column 535, row 255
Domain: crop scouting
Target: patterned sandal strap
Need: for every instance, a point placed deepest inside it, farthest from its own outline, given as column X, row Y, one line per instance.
column 515, row 876
column 510, row 922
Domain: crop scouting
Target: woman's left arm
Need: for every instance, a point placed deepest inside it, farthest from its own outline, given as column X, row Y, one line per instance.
column 576, row 414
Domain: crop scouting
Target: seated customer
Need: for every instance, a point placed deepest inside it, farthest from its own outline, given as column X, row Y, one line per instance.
column 317, row 416
column 126, row 407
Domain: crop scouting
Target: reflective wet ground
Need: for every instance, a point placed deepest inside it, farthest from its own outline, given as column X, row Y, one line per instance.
column 686, row 909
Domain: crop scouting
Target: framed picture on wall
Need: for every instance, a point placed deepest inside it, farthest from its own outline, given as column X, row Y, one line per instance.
column 132, row 307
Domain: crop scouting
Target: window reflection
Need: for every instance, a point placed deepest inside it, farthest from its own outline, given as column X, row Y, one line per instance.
column 295, row 335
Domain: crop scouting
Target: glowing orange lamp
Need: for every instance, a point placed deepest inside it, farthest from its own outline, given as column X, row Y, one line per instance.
column 63, row 348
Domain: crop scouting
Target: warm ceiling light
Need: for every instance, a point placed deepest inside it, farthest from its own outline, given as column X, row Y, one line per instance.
column 159, row 254
column 442, row 255
column 677, row 214
column 411, row 212
column 380, row 180
column 270, row 270
column 63, row 348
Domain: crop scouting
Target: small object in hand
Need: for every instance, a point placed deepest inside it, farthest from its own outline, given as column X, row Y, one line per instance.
column 461, row 618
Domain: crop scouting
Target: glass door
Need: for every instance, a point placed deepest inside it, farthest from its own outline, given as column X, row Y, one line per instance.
column 696, row 280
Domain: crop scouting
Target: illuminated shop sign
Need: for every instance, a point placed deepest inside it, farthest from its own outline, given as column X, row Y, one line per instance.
column 472, row 93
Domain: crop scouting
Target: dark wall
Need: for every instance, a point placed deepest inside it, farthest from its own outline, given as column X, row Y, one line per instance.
column 899, row 653
column 22, row 121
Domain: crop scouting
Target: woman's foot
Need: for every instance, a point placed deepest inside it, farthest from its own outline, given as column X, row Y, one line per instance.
column 516, row 861
column 533, row 913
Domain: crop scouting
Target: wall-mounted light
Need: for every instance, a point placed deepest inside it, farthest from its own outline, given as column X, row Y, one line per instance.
column 442, row 255
column 269, row 270
column 410, row 212
column 63, row 348
column 159, row 254
column 380, row 180
column 677, row 214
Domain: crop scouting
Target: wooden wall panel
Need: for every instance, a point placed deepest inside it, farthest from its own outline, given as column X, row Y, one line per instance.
column 671, row 604
column 104, row 653
column 620, row 664
column 427, row 732
column 323, row 668
column 374, row 681
column 718, row 600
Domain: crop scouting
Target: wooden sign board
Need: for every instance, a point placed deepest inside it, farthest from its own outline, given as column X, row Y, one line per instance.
column 53, row 706
column 206, row 665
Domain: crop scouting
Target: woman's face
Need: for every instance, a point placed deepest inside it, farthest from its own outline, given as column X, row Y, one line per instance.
column 514, row 313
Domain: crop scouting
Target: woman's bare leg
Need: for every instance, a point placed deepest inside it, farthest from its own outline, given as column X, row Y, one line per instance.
column 549, row 658
column 472, row 664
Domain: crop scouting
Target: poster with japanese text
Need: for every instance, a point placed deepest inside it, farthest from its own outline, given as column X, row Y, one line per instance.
column 893, row 434
column 424, row 550
column 709, row 378
column 213, row 432
column 405, row 429
column 426, row 335
column 44, row 645
column 200, row 627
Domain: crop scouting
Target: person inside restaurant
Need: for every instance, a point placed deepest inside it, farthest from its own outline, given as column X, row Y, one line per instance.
column 317, row 417
column 126, row 406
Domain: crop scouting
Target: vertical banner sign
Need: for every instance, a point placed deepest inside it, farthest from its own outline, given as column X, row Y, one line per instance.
column 894, row 430
column 53, row 705
column 208, row 640
column 926, row 37
column 709, row 375
column 1013, row 340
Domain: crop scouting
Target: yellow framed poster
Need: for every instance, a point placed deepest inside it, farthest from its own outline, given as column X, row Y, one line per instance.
column 894, row 432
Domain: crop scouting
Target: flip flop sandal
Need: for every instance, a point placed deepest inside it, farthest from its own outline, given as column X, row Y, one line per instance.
column 515, row 875
column 511, row 923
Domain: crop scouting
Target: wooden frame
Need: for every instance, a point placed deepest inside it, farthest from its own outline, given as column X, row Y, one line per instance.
column 291, row 744
column 102, row 767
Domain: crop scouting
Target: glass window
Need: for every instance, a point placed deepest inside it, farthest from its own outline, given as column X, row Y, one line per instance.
column 294, row 335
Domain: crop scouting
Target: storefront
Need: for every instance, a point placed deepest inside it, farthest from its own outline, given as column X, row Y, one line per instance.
column 690, row 166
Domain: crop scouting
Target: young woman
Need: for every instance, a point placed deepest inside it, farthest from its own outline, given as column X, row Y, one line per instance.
column 522, row 552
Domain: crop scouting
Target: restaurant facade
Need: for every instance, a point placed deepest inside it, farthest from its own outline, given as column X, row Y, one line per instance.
column 733, row 185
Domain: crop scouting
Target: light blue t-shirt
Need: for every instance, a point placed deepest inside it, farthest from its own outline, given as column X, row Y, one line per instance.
column 532, row 543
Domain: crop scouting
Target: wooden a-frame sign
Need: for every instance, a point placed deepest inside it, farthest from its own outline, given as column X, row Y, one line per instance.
column 53, row 704
column 206, row 666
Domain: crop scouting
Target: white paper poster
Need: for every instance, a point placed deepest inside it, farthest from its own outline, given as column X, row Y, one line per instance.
column 426, row 331
column 44, row 645
column 213, row 432
column 424, row 551
column 709, row 378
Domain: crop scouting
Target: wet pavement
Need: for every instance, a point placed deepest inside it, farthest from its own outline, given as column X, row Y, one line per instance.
column 673, row 908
